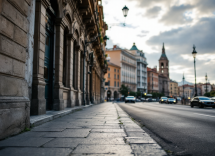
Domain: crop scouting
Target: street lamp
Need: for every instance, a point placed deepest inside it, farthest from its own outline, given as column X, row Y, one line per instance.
column 125, row 11
column 194, row 56
column 206, row 78
column 183, row 84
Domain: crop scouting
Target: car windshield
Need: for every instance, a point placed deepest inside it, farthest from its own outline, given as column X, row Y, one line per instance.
column 204, row 98
column 163, row 98
column 171, row 99
column 130, row 97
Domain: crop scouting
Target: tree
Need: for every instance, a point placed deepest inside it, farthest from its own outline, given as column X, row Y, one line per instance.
column 212, row 93
column 132, row 93
column 123, row 90
column 138, row 94
column 207, row 94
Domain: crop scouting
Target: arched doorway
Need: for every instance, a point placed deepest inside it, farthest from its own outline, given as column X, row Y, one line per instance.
column 108, row 95
column 115, row 95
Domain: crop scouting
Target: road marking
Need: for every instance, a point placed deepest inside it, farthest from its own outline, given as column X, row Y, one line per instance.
column 204, row 115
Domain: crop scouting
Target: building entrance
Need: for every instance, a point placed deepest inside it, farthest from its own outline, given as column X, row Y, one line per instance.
column 49, row 61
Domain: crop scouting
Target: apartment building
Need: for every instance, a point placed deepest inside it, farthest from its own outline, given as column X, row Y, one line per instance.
column 141, row 68
column 152, row 80
column 127, row 61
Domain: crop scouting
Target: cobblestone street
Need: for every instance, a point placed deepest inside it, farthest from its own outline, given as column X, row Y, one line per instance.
column 102, row 129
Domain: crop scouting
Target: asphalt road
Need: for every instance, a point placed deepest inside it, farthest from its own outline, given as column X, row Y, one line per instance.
column 180, row 129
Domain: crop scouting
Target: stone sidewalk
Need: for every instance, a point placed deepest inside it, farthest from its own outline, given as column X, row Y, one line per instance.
column 99, row 130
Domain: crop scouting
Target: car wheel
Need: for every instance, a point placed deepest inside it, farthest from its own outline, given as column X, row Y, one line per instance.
column 200, row 105
column 191, row 105
column 213, row 107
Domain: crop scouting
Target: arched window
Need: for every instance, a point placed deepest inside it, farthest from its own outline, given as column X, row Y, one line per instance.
column 162, row 65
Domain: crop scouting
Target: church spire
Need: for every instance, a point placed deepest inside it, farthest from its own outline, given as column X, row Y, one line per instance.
column 163, row 49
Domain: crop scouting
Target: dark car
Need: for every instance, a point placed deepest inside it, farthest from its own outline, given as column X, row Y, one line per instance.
column 163, row 100
column 170, row 100
column 202, row 102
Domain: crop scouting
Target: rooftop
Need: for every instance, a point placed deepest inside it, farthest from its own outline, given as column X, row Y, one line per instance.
column 134, row 47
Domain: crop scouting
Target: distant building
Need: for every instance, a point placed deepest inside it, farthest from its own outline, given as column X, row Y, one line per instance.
column 127, row 61
column 206, row 88
column 152, row 80
column 164, row 73
column 189, row 91
column 173, row 88
column 112, row 81
column 141, row 69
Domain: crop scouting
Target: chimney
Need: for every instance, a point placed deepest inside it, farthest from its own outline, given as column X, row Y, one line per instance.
column 114, row 47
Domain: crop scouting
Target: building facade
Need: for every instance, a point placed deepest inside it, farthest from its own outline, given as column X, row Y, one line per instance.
column 45, row 58
column 206, row 88
column 173, row 88
column 127, row 62
column 152, row 80
column 141, row 69
column 112, row 81
column 164, row 73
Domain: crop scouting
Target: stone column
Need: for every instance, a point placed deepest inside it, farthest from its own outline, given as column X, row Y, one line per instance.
column 58, row 103
column 71, row 40
column 38, row 102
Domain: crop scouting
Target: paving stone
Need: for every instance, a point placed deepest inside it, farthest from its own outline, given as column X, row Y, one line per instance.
column 102, row 154
column 24, row 141
column 137, row 134
column 47, row 129
column 106, row 135
column 70, row 133
column 103, row 149
column 107, row 130
column 35, row 152
column 64, row 142
column 140, row 140
column 134, row 130
column 104, row 127
column 104, row 141
column 148, row 150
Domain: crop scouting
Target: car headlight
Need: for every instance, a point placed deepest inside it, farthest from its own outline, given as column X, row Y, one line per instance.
column 174, row 101
column 161, row 100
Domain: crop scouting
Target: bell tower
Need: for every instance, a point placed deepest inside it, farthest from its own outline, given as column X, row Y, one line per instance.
column 164, row 63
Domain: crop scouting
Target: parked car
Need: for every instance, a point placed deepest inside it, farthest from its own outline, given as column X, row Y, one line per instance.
column 202, row 102
column 154, row 100
column 143, row 99
column 162, row 99
column 213, row 98
column 170, row 100
column 149, row 99
column 138, row 100
column 130, row 99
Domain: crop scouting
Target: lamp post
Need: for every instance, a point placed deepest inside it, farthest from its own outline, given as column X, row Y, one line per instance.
column 194, row 56
column 152, row 83
column 183, row 85
column 125, row 12
column 206, row 78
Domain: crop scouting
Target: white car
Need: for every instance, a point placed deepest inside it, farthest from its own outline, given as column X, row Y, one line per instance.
column 130, row 99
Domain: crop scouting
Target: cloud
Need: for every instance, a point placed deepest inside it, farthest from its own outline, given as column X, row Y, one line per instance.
column 206, row 6
column 177, row 15
column 152, row 12
column 183, row 38
column 147, row 3
column 141, row 35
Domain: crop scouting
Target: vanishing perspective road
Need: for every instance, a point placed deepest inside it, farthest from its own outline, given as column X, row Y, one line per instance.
column 179, row 129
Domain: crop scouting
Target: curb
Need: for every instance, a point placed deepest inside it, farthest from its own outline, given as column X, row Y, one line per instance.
column 141, row 143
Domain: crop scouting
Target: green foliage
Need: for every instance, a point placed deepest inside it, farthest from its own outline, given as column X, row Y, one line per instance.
column 157, row 95
column 212, row 93
column 138, row 93
column 101, row 39
column 207, row 94
column 132, row 93
column 123, row 90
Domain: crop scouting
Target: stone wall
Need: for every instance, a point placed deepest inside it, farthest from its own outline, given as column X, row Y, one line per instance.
column 14, row 64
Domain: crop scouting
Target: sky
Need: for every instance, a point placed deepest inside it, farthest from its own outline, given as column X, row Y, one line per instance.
column 178, row 23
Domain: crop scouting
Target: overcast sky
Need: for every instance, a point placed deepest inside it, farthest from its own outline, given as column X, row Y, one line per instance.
column 177, row 23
